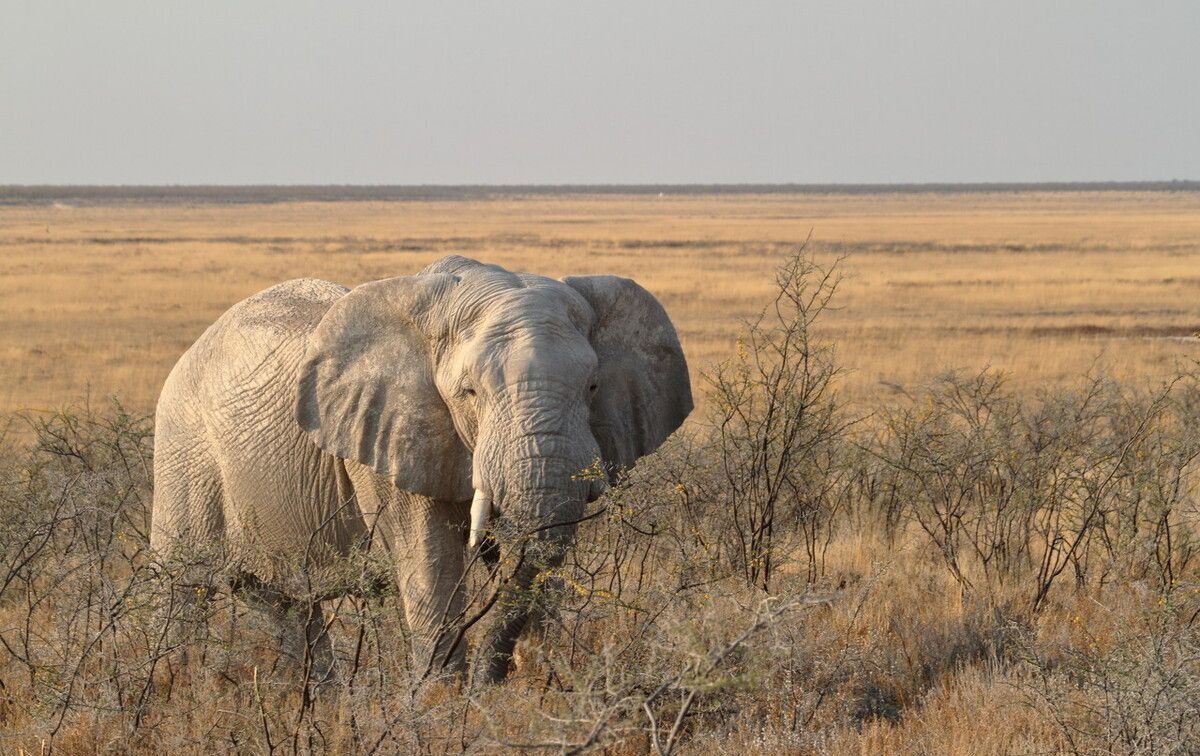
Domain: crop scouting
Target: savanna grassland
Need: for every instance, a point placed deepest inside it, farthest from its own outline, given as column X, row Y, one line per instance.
column 102, row 299
column 849, row 549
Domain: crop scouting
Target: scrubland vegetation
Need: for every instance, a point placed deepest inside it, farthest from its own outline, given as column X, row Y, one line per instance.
column 964, row 566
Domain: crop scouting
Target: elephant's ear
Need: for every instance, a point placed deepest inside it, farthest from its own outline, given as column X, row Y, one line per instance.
column 367, row 391
column 643, row 391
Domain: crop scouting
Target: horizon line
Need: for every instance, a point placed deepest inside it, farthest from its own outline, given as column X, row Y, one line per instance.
column 1058, row 182
column 20, row 194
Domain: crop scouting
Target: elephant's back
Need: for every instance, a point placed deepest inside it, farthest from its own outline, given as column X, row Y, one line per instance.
column 287, row 309
column 262, row 338
column 253, row 329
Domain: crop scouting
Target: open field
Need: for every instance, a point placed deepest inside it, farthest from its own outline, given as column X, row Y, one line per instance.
column 103, row 299
column 971, row 565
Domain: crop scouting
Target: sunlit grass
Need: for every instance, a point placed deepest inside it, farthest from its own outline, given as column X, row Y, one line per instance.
column 104, row 299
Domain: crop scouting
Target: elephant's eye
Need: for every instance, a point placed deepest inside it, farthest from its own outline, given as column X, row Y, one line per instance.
column 592, row 388
column 470, row 392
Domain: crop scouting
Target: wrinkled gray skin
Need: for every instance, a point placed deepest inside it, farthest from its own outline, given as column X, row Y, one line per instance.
column 311, row 420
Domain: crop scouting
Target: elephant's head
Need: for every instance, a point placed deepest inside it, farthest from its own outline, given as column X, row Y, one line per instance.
column 468, row 382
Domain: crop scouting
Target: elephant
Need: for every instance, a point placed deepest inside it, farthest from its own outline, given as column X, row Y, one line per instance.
column 417, row 415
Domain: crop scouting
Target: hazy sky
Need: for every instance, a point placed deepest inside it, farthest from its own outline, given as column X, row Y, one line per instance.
column 486, row 91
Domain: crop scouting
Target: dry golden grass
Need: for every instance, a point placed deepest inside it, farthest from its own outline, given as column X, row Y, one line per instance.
column 899, row 653
column 103, row 299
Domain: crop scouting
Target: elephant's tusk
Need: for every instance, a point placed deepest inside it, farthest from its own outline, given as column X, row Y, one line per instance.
column 481, row 512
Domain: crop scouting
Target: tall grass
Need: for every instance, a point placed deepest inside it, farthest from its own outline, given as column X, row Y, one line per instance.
column 966, row 569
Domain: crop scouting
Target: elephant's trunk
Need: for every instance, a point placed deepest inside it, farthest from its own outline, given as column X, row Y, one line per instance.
column 540, row 494
column 515, row 608
column 533, row 548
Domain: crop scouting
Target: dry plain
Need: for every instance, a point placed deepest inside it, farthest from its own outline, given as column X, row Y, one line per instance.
column 99, row 300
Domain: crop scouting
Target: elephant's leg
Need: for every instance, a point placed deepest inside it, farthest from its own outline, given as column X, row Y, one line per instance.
column 430, row 561
column 300, row 628
column 186, row 529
